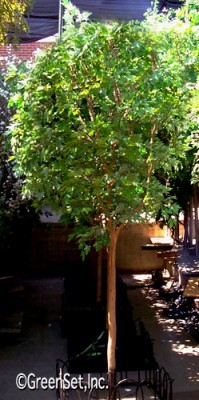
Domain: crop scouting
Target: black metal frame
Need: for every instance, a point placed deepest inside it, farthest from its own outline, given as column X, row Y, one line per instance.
column 157, row 380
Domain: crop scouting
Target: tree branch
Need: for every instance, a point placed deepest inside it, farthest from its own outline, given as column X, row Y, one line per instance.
column 90, row 107
column 116, row 93
column 150, row 165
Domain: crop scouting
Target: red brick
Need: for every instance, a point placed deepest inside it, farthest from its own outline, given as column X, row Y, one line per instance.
column 23, row 52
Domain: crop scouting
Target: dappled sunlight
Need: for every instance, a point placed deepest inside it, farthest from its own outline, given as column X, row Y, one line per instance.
column 171, row 339
column 158, row 305
column 134, row 280
column 185, row 349
column 170, row 325
column 142, row 277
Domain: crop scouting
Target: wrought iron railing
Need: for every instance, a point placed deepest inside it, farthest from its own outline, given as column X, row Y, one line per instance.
column 139, row 375
column 139, row 385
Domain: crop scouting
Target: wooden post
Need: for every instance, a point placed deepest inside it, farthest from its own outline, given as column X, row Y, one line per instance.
column 196, row 218
column 191, row 221
column 186, row 228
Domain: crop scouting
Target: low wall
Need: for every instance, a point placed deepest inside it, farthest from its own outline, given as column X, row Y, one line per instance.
column 130, row 256
column 51, row 249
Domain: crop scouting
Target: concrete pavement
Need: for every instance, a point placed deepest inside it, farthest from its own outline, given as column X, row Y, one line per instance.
column 174, row 348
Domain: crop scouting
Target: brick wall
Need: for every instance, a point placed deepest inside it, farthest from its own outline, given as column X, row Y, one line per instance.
column 23, row 52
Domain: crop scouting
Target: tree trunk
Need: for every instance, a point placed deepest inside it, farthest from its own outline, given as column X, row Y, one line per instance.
column 191, row 221
column 186, row 234
column 177, row 230
column 196, row 219
column 99, row 276
column 111, row 312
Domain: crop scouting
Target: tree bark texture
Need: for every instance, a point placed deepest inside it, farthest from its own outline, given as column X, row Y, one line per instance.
column 111, row 312
column 196, row 219
column 99, row 276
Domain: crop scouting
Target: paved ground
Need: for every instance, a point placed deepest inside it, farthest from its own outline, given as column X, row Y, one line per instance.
column 41, row 343
column 174, row 348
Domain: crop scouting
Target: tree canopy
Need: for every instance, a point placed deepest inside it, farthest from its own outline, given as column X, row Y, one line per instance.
column 102, row 113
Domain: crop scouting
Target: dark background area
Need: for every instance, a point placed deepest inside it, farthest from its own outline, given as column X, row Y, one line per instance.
column 43, row 19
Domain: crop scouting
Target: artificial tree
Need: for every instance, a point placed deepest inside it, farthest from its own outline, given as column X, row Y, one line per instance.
column 99, row 115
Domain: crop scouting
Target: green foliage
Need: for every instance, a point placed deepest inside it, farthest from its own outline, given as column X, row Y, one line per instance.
column 193, row 139
column 16, row 213
column 12, row 18
column 190, row 12
column 102, row 115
